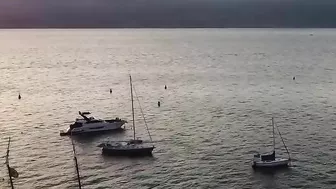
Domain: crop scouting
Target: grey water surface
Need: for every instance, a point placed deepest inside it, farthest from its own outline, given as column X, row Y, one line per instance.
column 224, row 85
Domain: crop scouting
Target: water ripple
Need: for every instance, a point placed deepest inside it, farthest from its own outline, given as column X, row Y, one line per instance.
column 223, row 87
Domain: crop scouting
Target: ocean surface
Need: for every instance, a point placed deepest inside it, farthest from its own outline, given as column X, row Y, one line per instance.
column 224, row 86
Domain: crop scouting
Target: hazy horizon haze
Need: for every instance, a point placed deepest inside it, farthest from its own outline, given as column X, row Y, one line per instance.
column 167, row 14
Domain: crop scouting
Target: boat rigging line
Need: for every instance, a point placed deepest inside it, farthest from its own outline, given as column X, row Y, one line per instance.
column 136, row 95
column 283, row 142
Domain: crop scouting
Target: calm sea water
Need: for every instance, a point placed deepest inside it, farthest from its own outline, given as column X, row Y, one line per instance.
column 224, row 85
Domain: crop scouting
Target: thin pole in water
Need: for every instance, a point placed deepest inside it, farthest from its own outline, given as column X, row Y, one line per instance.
column 8, row 167
column 76, row 163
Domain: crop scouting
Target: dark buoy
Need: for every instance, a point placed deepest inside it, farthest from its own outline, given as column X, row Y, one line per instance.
column 165, row 86
column 19, row 97
column 159, row 104
column 110, row 91
column 294, row 78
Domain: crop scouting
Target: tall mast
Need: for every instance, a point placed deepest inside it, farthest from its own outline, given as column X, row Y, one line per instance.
column 273, row 134
column 132, row 107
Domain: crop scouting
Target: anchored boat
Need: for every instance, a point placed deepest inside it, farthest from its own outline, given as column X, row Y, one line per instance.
column 92, row 125
column 270, row 160
column 133, row 147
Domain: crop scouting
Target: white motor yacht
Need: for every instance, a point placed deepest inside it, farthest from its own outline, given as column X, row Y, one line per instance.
column 92, row 125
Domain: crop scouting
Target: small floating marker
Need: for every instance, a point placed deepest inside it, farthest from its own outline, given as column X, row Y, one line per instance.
column 165, row 86
column 19, row 97
column 159, row 104
column 110, row 91
column 294, row 78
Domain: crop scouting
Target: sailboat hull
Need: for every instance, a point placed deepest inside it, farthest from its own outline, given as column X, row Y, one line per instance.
column 277, row 163
column 131, row 152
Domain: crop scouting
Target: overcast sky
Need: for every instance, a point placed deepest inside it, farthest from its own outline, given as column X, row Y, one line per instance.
column 167, row 13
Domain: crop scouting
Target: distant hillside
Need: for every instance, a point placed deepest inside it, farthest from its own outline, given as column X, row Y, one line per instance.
column 166, row 13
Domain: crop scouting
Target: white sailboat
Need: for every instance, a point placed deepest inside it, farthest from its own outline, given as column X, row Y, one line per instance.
column 270, row 160
column 133, row 147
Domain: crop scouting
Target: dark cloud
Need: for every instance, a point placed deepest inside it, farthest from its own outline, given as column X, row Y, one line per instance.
column 167, row 13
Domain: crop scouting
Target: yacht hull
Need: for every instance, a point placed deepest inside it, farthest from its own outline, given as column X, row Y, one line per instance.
column 94, row 128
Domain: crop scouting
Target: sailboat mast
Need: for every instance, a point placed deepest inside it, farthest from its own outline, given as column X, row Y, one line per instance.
column 273, row 134
column 132, row 107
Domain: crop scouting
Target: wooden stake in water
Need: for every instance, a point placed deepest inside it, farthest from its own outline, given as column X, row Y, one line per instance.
column 76, row 163
column 8, row 167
